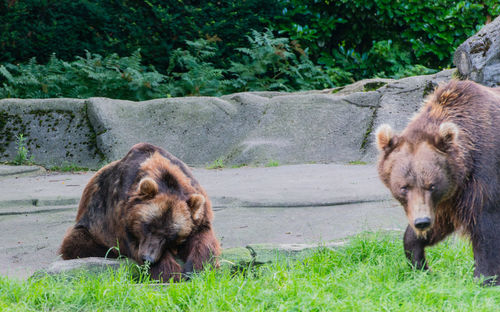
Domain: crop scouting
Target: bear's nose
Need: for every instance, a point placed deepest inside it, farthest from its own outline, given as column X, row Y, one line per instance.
column 422, row 223
column 147, row 258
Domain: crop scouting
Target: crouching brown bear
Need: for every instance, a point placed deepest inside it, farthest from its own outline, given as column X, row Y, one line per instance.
column 444, row 169
column 148, row 205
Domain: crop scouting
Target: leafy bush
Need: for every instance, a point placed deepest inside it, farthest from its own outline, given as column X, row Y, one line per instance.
column 351, row 39
column 269, row 64
column 38, row 28
column 275, row 64
column 384, row 59
column 192, row 71
column 429, row 31
column 112, row 76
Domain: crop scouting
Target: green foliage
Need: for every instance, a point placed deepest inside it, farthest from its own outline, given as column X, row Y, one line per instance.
column 38, row 28
column 238, row 166
column 21, row 157
column 221, row 46
column 193, row 72
column 217, row 164
column 269, row 64
column 384, row 59
column 428, row 31
column 357, row 162
column 111, row 76
column 272, row 63
column 273, row 163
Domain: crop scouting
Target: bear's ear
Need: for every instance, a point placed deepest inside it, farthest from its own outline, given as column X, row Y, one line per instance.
column 148, row 187
column 448, row 135
column 385, row 138
column 196, row 203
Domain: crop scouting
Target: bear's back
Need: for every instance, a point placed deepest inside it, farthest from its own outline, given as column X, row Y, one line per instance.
column 115, row 183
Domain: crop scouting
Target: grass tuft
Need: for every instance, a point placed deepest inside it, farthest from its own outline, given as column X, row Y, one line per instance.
column 273, row 163
column 368, row 274
column 217, row 164
column 357, row 162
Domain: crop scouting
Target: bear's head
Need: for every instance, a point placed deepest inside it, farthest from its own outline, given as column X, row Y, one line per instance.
column 158, row 221
column 417, row 169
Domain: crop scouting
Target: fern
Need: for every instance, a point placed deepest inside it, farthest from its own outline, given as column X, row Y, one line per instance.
column 268, row 63
column 272, row 63
column 193, row 73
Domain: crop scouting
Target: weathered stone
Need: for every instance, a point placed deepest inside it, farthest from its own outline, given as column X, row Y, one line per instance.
column 308, row 128
column 258, row 254
column 240, row 128
column 478, row 58
column 91, row 265
column 362, row 86
column 399, row 101
column 57, row 131
column 19, row 171
column 198, row 130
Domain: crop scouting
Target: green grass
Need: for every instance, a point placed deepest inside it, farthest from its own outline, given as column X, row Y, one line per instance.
column 273, row 163
column 238, row 166
column 21, row 157
column 369, row 274
column 357, row 162
column 217, row 164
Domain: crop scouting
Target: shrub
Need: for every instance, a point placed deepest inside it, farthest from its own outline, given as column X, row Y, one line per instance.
column 275, row 64
column 38, row 28
column 429, row 31
column 94, row 75
column 384, row 59
column 192, row 71
column 269, row 64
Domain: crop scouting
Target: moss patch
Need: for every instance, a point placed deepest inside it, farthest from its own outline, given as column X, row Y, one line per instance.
column 374, row 85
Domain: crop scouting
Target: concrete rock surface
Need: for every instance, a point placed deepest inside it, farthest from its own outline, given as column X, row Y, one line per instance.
column 478, row 58
column 324, row 126
column 56, row 131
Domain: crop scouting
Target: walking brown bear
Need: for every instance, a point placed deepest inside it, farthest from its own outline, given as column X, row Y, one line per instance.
column 444, row 169
column 151, row 207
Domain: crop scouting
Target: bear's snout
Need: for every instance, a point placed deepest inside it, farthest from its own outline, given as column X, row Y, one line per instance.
column 422, row 223
column 148, row 258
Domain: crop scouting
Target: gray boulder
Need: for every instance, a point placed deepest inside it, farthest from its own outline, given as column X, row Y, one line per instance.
column 332, row 125
column 92, row 265
column 298, row 128
column 242, row 128
column 478, row 58
column 399, row 101
column 57, row 131
column 198, row 130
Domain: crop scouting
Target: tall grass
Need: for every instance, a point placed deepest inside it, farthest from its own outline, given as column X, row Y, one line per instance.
column 369, row 274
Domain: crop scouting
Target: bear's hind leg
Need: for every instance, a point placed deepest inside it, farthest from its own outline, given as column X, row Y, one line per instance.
column 79, row 243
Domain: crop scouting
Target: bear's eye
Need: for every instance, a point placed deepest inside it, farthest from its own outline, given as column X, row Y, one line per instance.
column 431, row 187
column 404, row 190
column 146, row 228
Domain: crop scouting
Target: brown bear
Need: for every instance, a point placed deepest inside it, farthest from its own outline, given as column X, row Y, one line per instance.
column 148, row 205
column 444, row 169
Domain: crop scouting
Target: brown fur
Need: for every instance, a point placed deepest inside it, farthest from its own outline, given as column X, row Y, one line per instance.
column 149, row 206
column 444, row 167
